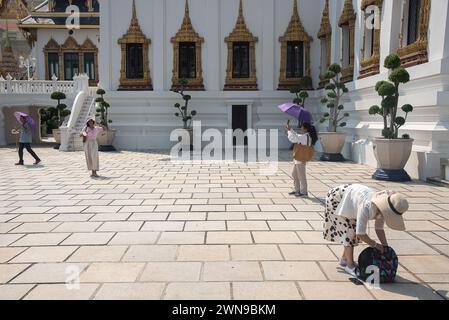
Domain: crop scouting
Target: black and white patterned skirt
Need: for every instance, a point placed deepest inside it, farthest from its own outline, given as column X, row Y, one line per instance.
column 337, row 228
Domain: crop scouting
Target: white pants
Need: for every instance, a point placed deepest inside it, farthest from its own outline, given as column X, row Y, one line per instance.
column 300, row 177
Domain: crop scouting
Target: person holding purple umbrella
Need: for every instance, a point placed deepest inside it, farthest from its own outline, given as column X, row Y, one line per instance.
column 25, row 139
column 307, row 137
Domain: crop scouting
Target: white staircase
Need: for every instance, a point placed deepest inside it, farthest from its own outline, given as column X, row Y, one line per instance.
column 75, row 142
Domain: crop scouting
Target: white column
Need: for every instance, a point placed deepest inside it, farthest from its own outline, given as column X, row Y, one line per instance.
column 157, row 52
column 266, row 78
column 212, row 56
column 439, row 31
column 389, row 32
column 335, row 9
column 105, row 47
column 358, row 34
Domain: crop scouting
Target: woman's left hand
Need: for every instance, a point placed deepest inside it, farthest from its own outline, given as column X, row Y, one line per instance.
column 380, row 247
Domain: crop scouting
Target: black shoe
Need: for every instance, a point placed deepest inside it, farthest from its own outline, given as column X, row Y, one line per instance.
column 298, row 194
column 20, row 163
column 303, row 195
column 293, row 193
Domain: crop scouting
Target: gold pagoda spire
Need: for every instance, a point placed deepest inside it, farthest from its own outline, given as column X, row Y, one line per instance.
column 326, row 27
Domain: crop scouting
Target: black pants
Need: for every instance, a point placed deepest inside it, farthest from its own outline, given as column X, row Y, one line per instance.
column 28, row 147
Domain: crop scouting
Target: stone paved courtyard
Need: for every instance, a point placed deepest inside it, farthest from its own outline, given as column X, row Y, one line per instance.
column 154, row 229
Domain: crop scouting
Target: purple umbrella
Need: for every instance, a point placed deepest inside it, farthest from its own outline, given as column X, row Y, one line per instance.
column 29, row 119
column 298, row 112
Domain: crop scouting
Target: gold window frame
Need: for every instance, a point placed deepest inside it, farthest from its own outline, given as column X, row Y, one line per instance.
column 241, row 33
column 134, row 35
column 370, row 66
column 188, row 34
column 295, row 32
column 348, row 18
column 416, row 53
column 71, row 46
column 325, row 34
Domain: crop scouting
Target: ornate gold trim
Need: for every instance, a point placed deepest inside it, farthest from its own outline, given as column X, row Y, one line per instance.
column 241, row 33
column 71, row 45
column 325, row 34
column 295, row 32
column 416, row 53
column 135, row 36
column 371, row 65
column 89, row 47
column 187, row 34
column 348, row 18
column 52, row 47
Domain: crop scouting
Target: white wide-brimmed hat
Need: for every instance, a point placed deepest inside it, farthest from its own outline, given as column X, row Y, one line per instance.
column 393, row 208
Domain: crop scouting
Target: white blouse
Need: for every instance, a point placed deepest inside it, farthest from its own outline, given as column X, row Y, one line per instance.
column 356, row 205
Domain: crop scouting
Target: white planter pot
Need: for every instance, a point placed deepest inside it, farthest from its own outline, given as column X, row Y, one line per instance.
column 106, row 138
column 392, row 155
column 57, row 135
column 332, row 143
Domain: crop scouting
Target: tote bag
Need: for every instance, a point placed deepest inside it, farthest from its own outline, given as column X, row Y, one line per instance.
column 303, row 153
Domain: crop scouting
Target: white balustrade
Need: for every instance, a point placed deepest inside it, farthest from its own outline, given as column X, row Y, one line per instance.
column 46, row 87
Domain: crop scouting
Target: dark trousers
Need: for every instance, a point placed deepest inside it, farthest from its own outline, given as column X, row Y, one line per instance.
column 28, row 147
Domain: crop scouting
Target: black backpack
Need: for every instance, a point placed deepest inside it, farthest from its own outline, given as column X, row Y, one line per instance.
column 386, row 262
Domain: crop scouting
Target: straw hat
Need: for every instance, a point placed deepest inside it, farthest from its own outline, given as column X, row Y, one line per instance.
column 392, row 207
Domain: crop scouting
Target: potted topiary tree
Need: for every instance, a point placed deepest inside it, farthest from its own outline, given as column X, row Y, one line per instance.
column 106, row 138
column 391, row 152
column 184, row 113
column 300, row 91
column 333, row 141
column 59, row 113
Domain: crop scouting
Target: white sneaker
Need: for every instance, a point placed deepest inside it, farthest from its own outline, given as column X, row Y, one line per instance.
column 352, row 271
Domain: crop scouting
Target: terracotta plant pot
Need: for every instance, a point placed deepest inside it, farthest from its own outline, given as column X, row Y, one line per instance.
column 105, row 140
column 392, row 155
column 332, row 143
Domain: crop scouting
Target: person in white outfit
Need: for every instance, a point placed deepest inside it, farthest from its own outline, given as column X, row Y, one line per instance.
column 89, row 134
column 309, row 137
column 349, row 208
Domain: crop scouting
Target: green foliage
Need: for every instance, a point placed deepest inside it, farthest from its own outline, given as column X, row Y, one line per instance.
column 335, row 91
column 399, row 75
column 392, row 61
column 374, row 110
column 102, row 108
column 300, row 90
column 184, row 113
column 389, row 91
column 55, row 116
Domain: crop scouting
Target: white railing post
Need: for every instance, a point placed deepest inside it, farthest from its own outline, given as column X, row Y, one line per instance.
column 54, row 80
column 8, row 83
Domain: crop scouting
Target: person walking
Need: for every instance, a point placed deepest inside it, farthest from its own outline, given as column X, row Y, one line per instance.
column 349, row 208
column 25, row 140
column 89, row 135
column 307, row 137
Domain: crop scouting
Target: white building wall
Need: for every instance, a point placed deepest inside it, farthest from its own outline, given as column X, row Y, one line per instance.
column 145, row 119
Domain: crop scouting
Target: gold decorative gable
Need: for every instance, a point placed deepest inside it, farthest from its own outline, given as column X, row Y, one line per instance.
column 135, row 36
column 71, row 45
column 325, row 34
column 371, row 65
column 416, row 53
column 241, row 33
column 295, row 32
column 187, row 34
column 348, row 18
